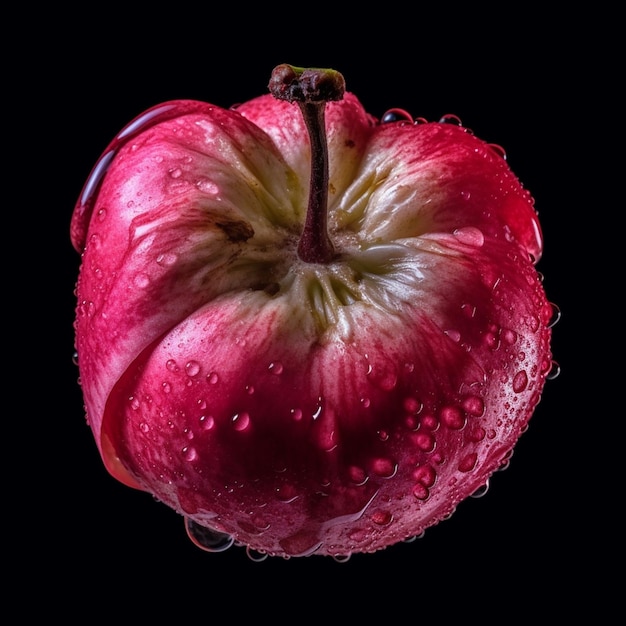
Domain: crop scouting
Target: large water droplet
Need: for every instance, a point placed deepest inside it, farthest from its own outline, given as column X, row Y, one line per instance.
column 396, row 115
column 208, row 539
column 470, row 235
column 556, row 315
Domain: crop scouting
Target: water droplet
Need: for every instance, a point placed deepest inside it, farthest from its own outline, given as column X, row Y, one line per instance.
column 207, row 186
column 255, row 555
column 341, row 558
column 396, row 115
column 453, row 417
column 554, row 370
column 357, row 475
column 143, row 427
column 481, row 491
column 470, row 235
column 520, row 381
column 421, row 492
column 286, row 493
column 296, row 414
column 212, row 378
column 190, row 453
column 141, row 281
column 474, row 406
column 455, row 335
column 276, row 367
column 424, row 441
column 382, row 518
column 498, row 149
column 412, row 405
column 383, row 467
column 241, row 421
column 166, row 387
column 175, row 172
column 134, row 403
column 192, row 368
column 208, row 539
column 468, row 463
column 170, row 364
column 450, row 118
column 556, row 315
column 425, row 474
column 167, row 259
column 207, row 422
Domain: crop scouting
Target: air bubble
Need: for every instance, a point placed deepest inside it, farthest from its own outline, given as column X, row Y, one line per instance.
column 208, row 539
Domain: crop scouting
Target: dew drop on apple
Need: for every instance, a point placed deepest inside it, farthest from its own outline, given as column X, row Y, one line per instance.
column 192, row 368
column 470, row 235
column 190, row 453
column 168, row 259
column 207, row 422
column 468, row 463
column 141, row 280
column 255, row 555
column 421, row 492
column 556, row 315
column 520, row 381
column 384, row 467
column 424, row 441
column 450, row 118
column 474, row 406
column 382, row 517
column 341, row 558
column 452, row 417
column 286, row 493
column 396, row 115
column 481, row 491
column 208, row 539
column 276, row 368
column 241, row 421
column 207, row 186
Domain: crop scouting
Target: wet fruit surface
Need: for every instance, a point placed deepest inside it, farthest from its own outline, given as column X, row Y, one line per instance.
column 300, row 407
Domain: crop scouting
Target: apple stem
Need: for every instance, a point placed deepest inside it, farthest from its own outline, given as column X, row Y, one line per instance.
column 311, row 89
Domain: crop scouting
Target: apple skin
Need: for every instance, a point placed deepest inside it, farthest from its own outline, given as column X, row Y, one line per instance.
column 307, row 408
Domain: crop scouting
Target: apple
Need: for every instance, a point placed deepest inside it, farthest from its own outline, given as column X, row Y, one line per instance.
column 305, row 329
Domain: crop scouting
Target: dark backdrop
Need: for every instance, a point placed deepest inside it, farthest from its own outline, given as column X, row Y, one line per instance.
column 526, row 82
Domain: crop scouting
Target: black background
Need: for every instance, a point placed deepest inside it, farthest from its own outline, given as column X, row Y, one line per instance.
column 530, row 83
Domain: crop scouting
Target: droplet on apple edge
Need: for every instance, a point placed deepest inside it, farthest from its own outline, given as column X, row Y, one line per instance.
column 207, row 539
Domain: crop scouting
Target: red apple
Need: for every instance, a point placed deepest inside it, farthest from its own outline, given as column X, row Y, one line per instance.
column 307, row 330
